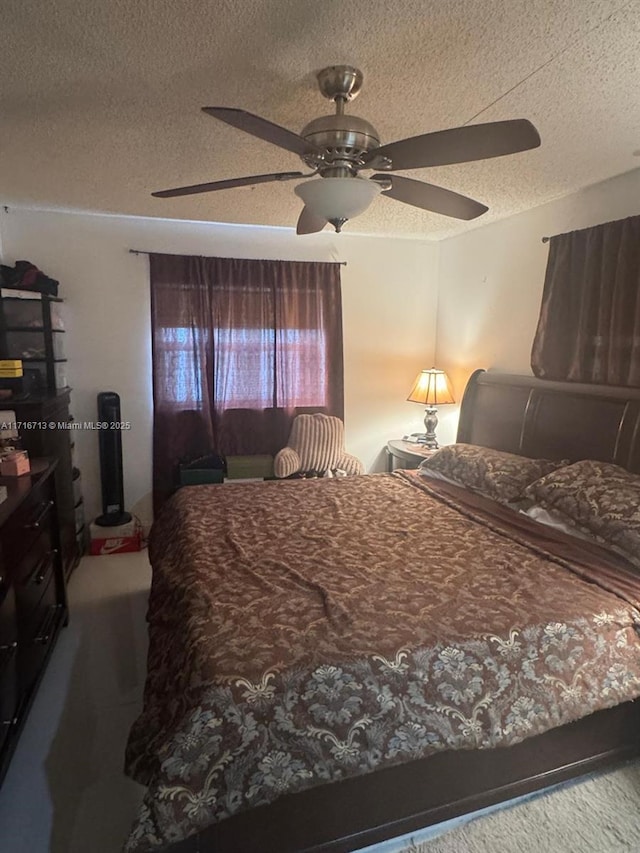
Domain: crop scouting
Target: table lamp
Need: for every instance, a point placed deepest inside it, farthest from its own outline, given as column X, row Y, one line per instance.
column 432, row 389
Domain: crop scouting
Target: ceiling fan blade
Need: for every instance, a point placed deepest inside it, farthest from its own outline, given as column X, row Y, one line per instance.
column 309, row 223
column 263, row 129
column 431, row 197
column 458, row 145
column 227, row 185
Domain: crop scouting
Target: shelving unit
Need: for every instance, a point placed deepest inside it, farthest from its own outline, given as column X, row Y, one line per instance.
column 32, row 330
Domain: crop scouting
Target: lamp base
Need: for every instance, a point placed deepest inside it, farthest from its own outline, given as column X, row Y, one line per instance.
column 430, row 424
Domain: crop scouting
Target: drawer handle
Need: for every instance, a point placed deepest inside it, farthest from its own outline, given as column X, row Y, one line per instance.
column 45, row 631
column 8, row 650
column 44, row 634
column 42, row 568
column 35, row 525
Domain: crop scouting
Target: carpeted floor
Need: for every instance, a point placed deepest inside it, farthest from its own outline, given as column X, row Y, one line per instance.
column 598, row 815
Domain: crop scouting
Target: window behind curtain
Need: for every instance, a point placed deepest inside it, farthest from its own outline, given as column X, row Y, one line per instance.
column 249, row 354
column 589, row 325
column 238, row 347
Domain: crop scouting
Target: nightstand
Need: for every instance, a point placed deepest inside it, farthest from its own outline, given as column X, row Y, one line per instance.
column 406, row 454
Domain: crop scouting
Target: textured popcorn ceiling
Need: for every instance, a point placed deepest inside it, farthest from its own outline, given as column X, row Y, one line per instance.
column 100, row 99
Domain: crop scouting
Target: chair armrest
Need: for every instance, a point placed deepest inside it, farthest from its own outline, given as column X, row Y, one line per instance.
column 286, row 462
column 350, row 464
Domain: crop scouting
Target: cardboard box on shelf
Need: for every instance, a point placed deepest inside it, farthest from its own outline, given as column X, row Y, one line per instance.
column 15, row 464
column 115, row 540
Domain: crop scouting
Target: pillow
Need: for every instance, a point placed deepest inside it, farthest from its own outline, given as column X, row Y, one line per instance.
column 493, row 473
column 598, row 498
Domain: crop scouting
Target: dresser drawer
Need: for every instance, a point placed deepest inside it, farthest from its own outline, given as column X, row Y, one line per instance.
column 8, row 662
column 36, row 636
column 8, row 621
column 34, row 516
column 32, row 576
column 8, row 699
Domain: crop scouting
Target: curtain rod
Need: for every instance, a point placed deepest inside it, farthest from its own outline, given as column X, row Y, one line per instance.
column 546, row 239
column 144, row 252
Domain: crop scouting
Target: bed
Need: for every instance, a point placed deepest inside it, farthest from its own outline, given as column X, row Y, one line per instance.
column 333, row 663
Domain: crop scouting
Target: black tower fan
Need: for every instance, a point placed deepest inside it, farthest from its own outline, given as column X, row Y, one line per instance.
column 111, row 461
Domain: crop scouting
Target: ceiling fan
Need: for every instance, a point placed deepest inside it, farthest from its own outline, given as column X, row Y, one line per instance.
column 338, row 147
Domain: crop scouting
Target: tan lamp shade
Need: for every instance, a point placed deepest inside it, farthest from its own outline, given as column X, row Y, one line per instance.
column 431, row 388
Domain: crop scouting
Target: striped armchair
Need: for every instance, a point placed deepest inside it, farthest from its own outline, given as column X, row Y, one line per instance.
column 316, row 443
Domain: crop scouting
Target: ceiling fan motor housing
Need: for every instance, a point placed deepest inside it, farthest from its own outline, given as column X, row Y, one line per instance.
column 341, row 138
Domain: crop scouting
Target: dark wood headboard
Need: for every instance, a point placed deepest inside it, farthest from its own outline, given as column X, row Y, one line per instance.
column 552, row 420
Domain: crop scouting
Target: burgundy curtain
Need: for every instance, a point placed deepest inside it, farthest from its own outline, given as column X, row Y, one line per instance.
column 589, row 326
column 239, row 348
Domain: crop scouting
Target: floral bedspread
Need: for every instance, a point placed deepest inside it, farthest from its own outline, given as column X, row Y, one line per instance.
column 307, row 631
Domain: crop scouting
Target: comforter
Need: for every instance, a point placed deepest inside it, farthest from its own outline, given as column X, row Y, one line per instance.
column 303, row 632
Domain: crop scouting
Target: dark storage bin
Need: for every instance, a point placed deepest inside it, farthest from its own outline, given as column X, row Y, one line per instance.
column 200, row 476
column 256, row 466
column 26, row 345
column 206, row 469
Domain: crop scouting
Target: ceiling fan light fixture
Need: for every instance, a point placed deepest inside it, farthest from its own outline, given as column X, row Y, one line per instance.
column 337, row 199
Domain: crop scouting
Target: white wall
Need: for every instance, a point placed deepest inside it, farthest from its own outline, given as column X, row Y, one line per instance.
column 490, row 282
column 389, row 293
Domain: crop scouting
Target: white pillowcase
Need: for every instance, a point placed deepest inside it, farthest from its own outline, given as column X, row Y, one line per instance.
column 543, row 516
column 432, row 474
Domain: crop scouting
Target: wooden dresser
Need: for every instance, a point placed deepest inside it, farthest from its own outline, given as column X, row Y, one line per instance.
column 33, row 601
column 56, row 443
